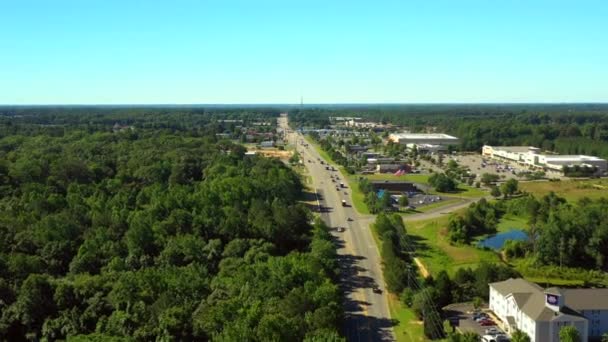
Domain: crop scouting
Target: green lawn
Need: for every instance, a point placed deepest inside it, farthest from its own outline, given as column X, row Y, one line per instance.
column 435, row 251
column 463, row 189
column 432, row 206
column 408, row 328
column 416, row 178
column 572, row 190
column 509, row 222
column 558, row 276
column 357, row 196
column 469, row 191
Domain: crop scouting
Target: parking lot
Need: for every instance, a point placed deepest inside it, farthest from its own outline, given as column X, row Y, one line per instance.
column 476, row 163
column 463, row 315
column 505, row 169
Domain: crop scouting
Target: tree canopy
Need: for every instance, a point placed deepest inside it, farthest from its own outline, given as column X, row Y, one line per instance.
column 155, row 229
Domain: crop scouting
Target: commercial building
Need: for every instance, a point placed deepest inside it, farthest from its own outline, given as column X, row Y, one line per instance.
column 395, row 186
column 357, row 148
column 423, row 138
column 541, row 313
column 531, row 156
column 384, row 168
column 380, row 160
column 427, row 148
column 267, row 144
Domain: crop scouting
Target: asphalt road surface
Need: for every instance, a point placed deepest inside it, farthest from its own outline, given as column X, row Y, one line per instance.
column 367, row 316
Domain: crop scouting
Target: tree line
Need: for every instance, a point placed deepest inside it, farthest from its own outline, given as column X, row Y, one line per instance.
column 564, row 128
column 160, row 233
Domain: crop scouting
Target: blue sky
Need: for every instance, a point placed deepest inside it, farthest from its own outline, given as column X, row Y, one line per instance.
column 331, row 51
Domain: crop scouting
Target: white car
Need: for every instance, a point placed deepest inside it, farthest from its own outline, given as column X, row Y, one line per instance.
column 492, row 331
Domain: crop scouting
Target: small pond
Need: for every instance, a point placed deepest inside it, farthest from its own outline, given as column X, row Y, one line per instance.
column 498, row 240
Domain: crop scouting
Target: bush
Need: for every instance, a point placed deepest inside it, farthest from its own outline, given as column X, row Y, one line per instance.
column 407, row 297
column 442, row 182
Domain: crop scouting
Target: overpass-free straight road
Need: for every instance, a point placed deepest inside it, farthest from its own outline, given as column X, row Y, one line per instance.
column 367, row 316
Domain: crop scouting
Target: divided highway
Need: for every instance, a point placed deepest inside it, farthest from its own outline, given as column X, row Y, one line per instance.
column 367, row 316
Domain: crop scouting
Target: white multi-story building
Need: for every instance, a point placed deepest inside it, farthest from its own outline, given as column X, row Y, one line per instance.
column 531, row 156
column 523, row 305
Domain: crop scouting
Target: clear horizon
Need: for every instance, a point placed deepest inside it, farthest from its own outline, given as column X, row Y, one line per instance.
column 265, row 52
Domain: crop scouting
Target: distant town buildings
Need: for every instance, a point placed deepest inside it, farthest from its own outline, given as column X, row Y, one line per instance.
column 384, row 168
column 531, row 156
column 267, row 144
column 540, row 313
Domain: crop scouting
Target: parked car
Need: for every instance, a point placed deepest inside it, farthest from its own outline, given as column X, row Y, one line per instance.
column 501, row 338
column 492, row 331
column 340, row 229
column 477, row 316
column 376, row 289
column 487, row 323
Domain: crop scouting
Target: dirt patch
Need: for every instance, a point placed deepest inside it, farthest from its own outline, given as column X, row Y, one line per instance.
column 425, row 273
column 273, row 153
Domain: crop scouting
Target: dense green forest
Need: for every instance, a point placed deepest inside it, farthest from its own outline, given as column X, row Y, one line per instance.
column 156, row 232
column 561, row 233
column 564, row 128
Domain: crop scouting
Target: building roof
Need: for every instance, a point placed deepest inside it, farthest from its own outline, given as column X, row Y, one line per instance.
column 518, row 285
column 423, row 136
column 514, row 148
column 530, row 298
column 586, row 299
column 521, row 298
column 571, row 158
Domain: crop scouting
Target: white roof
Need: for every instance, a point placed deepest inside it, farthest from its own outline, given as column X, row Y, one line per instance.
column 424, row 136
column 514, row 148
column 571, row 158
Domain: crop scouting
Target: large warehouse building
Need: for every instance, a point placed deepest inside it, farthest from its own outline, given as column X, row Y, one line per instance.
column 523, row 305
column 423, row 139
column 531, row 156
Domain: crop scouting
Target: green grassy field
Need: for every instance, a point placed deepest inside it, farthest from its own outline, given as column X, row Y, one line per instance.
column 432, row 206
column 509, row 222
column 463, row 189
column 358, row 197
column 558, row 276
column 416, row 178
column 408, row 328
column 572, row 190
column 435, row 251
